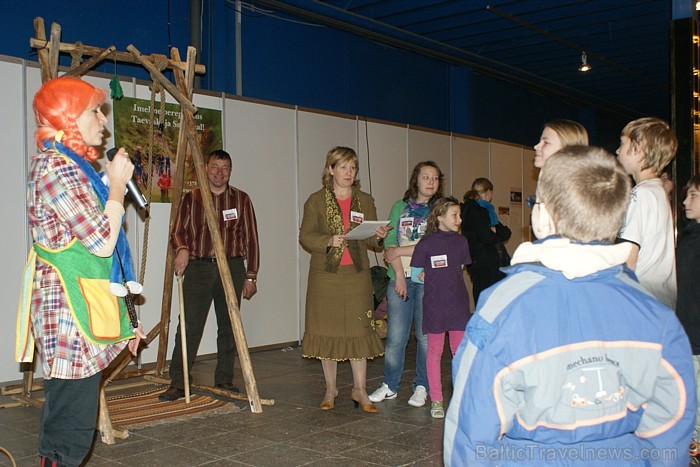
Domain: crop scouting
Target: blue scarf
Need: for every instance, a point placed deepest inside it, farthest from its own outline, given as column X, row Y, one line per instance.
column 121, row 257
column 493, row 218
column 419, row 212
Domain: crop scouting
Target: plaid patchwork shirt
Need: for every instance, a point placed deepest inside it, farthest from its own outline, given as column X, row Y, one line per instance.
column 62, row 205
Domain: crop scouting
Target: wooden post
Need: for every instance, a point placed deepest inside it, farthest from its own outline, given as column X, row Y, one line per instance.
column 42, row 51
column 107, row 431
column 183, row 341
column 185, row 84
column 233, row 310
column 54, row 49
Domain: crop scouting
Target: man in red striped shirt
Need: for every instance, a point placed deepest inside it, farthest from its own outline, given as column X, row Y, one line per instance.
column 195, row 258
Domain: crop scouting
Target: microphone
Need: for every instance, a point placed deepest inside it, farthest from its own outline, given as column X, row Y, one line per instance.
column 131, row 187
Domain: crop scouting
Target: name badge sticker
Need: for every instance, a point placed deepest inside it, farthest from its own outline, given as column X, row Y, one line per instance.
column 439, row 261
column 230, row 214
column 407, row 222
column 357, row 217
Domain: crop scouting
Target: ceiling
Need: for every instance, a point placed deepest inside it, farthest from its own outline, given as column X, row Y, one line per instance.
column 539, row 43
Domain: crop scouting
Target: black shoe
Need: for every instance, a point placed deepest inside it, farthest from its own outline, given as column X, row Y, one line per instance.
column 228, row 387
column 172, row 394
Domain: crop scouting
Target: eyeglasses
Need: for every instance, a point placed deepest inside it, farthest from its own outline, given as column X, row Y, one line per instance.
column 531, row 200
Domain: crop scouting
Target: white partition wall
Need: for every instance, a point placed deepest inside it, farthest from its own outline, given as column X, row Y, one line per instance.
column 278, row 156
column 12, row 178
column 435, row 146
column 507, row 179
column 470, row 160
column 261, row 140
column 389, row 166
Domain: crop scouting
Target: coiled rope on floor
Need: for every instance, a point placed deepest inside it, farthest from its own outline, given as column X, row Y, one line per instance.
column 7, row 453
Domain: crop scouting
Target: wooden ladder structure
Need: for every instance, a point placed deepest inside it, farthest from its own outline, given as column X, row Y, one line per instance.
column 182, row 90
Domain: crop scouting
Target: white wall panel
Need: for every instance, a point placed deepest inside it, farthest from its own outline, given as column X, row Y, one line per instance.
column 506, row 176
column 470, row 160
column 14, row 235
column 278, row 157
column 427, row 145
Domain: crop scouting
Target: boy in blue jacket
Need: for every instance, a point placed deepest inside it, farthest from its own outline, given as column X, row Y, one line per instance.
column 569, row 361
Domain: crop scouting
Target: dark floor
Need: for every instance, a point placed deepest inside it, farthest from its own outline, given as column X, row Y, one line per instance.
column 292, row 432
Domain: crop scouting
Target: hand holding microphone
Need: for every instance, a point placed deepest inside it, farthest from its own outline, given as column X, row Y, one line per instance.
column 131, row 186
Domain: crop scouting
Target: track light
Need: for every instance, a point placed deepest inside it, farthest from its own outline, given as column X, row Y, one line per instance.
column 584, row 63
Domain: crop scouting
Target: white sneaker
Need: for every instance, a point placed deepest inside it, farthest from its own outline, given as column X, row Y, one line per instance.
column 382, row 393
column 420, row 395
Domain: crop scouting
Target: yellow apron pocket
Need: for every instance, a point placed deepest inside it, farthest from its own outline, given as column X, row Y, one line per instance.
column 103, row 308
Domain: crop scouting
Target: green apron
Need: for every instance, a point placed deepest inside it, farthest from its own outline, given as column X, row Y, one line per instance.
column 101, row 316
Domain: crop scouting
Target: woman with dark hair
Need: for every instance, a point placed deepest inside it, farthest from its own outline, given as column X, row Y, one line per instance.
column 485, row 235
column 339, row 321
column 408, row 217
column 68, row 306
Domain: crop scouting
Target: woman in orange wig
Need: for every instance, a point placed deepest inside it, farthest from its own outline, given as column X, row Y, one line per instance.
column 66, row 306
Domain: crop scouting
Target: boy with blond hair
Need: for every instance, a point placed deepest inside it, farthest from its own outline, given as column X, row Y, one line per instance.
column 568, row 360
column 647, row 145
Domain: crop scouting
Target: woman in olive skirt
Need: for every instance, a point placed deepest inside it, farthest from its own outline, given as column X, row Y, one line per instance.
column 339, row 321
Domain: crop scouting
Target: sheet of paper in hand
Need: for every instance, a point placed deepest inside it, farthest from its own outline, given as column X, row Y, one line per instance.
column 365, row 230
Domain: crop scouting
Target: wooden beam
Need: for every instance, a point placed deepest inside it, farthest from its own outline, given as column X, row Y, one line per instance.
column 90, row 63
column 43, row 51
column 53, row 49
column 41, row 43
column 185, row 86
column 165, row 82
column 26, row 400
column 224, row 271
column 211, row 390
column 11, row 389
column 107, row 432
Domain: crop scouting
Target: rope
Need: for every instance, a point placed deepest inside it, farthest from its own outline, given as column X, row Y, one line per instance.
column 149, row 186
column 160, row 62
column 7, row 453
column 76, row 55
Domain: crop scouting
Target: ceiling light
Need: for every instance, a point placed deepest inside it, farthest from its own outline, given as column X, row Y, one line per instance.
column 584, row 63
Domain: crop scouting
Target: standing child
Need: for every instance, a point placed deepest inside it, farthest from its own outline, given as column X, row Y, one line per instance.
column 647, row 145
column 557, row 135
column 688, row 273
column 485, row 235
column 441, row 253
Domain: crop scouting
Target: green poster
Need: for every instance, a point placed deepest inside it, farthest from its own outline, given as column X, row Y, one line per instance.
column 154, row 172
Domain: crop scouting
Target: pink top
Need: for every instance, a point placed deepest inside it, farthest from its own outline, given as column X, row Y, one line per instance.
column 344, row 204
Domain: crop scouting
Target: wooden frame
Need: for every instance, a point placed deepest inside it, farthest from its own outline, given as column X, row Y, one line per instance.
column 182, row 90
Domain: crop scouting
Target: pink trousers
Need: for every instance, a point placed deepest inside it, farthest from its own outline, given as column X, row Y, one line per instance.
column 436, row 343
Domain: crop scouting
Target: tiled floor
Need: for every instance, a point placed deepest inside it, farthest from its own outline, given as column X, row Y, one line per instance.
column 292, row 432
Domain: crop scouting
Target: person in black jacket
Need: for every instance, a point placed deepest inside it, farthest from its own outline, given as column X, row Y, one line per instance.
column 688, row 276
column 485, row 235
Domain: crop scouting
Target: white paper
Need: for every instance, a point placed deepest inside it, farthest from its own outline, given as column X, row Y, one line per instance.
column 365, row 230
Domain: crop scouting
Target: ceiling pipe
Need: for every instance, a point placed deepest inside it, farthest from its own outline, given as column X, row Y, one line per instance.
column 344, row 20
column 588, row 53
